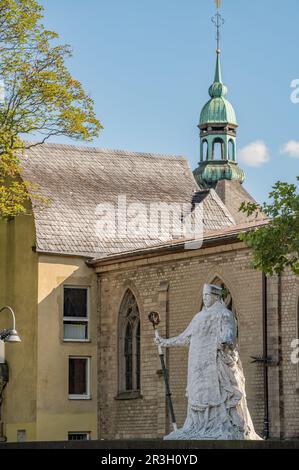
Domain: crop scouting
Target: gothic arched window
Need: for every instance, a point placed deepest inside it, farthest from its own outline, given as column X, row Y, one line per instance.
column 129, row 344
column 226, row 297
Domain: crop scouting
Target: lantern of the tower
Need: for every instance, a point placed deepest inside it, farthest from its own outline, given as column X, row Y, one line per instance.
column 218, row 125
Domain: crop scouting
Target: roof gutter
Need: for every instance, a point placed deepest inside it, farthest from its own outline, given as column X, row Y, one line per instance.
column 157, row 251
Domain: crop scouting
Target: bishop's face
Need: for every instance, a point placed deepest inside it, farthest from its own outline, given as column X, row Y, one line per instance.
column 209, row 299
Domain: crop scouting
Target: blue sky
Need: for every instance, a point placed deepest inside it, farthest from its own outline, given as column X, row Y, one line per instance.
column 148, row 65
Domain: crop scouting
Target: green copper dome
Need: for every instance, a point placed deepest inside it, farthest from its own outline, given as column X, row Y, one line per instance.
column 208, row 173
column 218, row 110
column 218, row 133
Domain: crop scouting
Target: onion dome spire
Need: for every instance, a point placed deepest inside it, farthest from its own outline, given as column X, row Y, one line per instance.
column 218, row 124
column 218, row 89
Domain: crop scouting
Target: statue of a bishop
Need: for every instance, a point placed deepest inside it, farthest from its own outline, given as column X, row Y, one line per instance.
column 217, row 407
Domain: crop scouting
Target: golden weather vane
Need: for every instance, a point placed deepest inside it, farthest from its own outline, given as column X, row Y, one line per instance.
column 218, row 22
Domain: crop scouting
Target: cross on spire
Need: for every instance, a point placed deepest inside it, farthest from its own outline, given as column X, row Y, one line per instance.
column 218, row 21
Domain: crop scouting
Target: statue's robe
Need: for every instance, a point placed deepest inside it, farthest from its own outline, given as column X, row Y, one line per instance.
column 217, row 407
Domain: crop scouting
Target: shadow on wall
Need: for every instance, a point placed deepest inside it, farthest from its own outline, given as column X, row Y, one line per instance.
column 60, row 396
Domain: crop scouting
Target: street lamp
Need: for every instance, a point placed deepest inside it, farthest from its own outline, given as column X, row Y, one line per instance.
column 10, row 335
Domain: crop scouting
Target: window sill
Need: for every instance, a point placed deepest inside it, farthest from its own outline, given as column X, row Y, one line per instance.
column 79, row 397
column 132, row 395
column 65, row 340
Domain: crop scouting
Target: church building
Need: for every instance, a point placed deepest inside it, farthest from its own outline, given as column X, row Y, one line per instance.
column 87, row 366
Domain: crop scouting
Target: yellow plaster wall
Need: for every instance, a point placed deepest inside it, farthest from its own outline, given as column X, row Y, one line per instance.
column 11, row 431
column 3, row 228
column 18, row 288
column 56, row 414
column 36, row 398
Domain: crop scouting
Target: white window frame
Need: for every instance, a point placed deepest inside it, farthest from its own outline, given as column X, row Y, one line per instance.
column 82, row 433
column 87, row 395
column 77, row 319
column 21, row 435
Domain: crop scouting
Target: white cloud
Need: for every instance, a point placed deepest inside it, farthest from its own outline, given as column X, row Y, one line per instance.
column 254, row 154
column 291, row 149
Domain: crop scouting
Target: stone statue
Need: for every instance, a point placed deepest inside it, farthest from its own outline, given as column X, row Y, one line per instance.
column 217, row 407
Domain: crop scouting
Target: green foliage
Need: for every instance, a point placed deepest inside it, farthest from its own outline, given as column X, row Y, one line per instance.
column 41, row 97
column 276, row 245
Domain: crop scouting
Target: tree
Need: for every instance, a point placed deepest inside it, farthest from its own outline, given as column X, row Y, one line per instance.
column 42, row 99
column 276, row 244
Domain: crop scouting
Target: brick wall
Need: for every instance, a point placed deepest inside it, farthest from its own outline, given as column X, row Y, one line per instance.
column 290, row 376
column 172, row 285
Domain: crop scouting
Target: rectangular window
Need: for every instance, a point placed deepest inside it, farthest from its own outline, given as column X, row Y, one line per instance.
column 79, row 378
column 79, row 436
column 21, row 435
column 75, row 314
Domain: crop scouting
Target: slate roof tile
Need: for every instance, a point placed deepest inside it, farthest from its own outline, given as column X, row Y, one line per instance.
column 76, row 179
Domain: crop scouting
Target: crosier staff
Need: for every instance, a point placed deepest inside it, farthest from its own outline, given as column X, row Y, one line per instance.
column 155, row 320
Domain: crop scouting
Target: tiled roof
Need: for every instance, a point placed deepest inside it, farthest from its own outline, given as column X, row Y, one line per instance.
column 76, row 179
column 215, row 215
column 232, row 193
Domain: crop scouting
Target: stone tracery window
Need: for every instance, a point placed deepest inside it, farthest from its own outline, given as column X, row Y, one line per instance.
column 129, row 344
column 226, row 297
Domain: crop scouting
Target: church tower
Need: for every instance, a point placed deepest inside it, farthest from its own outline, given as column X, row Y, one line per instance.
column 218, row 132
